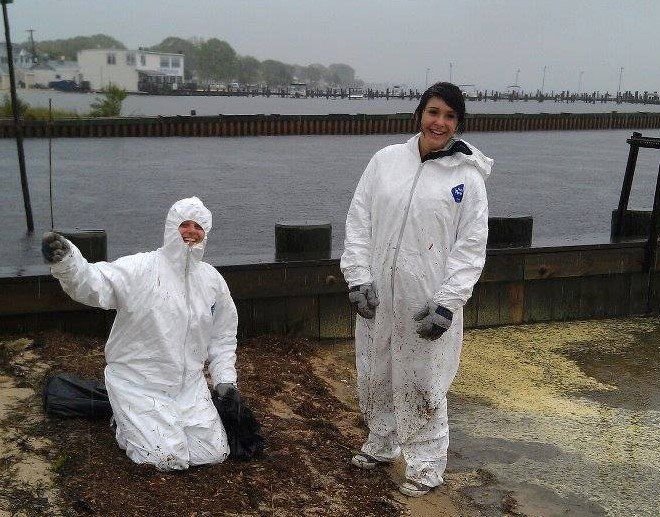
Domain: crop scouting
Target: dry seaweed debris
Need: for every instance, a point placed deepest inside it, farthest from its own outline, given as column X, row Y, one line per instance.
column 305, row 469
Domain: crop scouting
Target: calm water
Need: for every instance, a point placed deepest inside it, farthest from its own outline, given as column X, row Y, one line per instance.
column 569, row 181
column 161, row 105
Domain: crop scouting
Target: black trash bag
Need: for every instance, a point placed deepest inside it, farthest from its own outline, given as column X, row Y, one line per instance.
column 68, row 396
column 242, row 428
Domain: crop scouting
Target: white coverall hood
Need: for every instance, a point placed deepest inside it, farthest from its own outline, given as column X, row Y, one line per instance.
column 188, row 209
column 417, row 230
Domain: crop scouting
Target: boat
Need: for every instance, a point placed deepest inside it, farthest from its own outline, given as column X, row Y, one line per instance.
column 298, row 90
column 355, row 93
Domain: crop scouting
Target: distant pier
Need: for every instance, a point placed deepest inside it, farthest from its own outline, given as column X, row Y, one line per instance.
column 565, row 96
column 335, row 124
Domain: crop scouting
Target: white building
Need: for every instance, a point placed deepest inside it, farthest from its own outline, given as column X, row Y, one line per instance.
column 132, row 70
column 40, row 75
column 22, row 57
column 22, row 61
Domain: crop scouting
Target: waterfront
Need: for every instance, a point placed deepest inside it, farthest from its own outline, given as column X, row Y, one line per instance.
column 146, row 105
column 568, row 180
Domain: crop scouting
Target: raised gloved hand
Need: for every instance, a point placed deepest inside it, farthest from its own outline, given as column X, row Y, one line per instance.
column 365, row 300
column 222, row 388
column 54, row 247
column 434, row 320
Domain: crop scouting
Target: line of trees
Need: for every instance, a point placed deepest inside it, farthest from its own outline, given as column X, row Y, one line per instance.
column 214, row 60
column 68, row 48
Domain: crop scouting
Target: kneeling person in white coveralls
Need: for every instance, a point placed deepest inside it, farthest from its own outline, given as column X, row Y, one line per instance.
column 174, row 312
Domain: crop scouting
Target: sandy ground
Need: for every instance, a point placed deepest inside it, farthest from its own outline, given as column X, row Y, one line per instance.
column 27, row 477
column 549, row 419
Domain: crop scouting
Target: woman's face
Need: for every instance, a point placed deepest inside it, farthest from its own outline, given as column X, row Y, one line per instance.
column 191, row 232
column 438, row 125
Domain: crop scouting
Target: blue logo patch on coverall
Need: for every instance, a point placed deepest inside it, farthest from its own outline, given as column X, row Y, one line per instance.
column 457, row 192
column 212, row 309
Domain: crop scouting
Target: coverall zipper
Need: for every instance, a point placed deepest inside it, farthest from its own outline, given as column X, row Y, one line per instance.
column 403, row 227
column 187, row 289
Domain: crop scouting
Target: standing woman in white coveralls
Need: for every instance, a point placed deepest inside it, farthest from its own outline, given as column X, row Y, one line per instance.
column 174, row 312
column 415, row 246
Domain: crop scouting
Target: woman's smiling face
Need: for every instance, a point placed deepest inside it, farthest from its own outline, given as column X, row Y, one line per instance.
column 438, row 125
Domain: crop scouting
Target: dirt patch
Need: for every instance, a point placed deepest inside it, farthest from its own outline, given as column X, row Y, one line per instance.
column 310, row 435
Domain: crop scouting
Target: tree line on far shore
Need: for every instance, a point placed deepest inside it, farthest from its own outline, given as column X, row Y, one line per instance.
column 214, row 60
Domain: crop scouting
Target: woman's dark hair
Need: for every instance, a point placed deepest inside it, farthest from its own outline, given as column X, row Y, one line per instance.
column 448, row 92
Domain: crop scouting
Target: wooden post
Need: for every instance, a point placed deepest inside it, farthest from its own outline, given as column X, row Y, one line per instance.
column 652, row 245
column 18, row 130
column 627, row 184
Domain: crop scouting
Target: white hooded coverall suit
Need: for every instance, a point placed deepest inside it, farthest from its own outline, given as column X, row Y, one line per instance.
column 418, row 231
column 174, row 312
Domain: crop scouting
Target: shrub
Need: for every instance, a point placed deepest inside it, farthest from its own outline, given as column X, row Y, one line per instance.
column 110, row 104
column 29, row 113
column 6, row 110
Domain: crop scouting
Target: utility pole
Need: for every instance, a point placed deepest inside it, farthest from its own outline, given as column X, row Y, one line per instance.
column 580, row 81
column 33, row 48
column 451, row 65
column 18, row 129
column 618, row 90
column 515, row 83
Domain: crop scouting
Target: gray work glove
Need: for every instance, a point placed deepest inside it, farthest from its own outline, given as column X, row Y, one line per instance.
column 222, row 388
column 434, row 320
column 54, row 247
column 365, row 300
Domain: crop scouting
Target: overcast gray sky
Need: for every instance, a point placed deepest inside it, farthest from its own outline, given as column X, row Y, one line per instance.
column 393, row 40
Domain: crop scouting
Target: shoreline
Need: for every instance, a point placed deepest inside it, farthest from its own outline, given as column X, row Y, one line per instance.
column 330, row 124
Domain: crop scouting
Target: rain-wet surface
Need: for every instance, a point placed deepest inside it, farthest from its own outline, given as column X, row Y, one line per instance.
column 564, row 416
column 633, row 368
column 550, row 419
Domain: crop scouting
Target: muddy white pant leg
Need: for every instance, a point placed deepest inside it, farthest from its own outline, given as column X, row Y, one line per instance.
column 373, row 361
column 207, row 443
column 425, row 452
column 205, row 434
column 383, row 448
column 148, row 425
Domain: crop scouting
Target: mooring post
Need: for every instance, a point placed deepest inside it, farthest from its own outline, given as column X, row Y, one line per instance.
column 627, row 184
column 18, row 130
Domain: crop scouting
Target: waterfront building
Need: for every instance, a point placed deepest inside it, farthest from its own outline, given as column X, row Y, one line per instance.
column 40, row 75
column 35, row 71
column 22, row 57
column 22, row 61
column 132, row 70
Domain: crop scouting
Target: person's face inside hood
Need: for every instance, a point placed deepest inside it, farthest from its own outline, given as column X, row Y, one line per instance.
column 191, row 232
column 187, row 227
